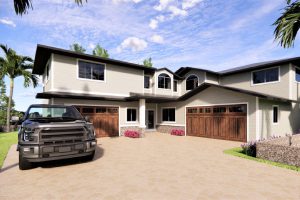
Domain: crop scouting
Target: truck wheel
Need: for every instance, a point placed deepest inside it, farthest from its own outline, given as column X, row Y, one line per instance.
column 24, row 164
column 90, row 157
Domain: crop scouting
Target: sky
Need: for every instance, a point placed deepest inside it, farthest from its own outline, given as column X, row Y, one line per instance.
column 209, row 34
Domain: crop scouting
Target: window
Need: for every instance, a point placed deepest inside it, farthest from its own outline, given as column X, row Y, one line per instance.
column 175, row 86
column 219, row 109
column 146, row 82
column 275, row 114
column 191, row 82
column 164, row 81
column 87, row 110
column 131, row 114
column 92, row 71
column 192, row 110
column 168, row 114
column 101, row 110
column 237, row 109
column 265, row 76
column 297, row 77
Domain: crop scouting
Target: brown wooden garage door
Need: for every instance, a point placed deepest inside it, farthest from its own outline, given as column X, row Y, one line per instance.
column 228, row 122
column 104, row 119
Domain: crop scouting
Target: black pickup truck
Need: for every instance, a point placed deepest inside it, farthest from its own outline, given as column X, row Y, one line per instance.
column 53, row 132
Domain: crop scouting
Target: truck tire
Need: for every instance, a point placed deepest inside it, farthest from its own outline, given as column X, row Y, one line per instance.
column 90, row 157
column 24, row 164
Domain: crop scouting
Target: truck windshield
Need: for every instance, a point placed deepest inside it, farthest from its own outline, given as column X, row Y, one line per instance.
column 67, row 113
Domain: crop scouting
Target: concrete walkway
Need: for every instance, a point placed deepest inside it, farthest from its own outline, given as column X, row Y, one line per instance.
column 158, row 166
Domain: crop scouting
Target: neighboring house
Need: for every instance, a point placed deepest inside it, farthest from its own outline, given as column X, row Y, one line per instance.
column 241, row 104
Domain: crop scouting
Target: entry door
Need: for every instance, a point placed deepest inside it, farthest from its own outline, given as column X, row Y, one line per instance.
column 150, row 119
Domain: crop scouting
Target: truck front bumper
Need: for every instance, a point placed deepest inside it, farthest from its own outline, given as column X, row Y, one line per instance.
column 40, row 153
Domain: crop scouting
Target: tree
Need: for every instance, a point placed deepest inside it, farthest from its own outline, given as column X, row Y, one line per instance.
column 288, row 24
column 13, row 65
column 99, row 51
column 148, row 62
column 77, row 48
column 22, row 6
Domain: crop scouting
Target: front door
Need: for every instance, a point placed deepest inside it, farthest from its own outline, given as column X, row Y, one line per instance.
column 150, row 119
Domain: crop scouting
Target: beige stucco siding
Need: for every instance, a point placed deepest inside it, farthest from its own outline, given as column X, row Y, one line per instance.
column 211, row 78
column 243, row 81
column 162, row 91
column 118, row 80
column 214, row 96
column 266, row 126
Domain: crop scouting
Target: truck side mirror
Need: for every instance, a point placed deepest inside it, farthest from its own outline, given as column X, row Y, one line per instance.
column 87, row 118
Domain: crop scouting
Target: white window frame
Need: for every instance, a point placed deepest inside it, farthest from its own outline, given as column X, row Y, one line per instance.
column 171, row 80
column 188, row 77
column 162, row 121
column 149, row 82
column 176, row 86
column 255, row 84
column 86, row 79
column 137, row 114
column 278, row 115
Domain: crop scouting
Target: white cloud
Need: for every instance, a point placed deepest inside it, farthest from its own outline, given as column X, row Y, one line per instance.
column 133, row 43
column 92, row 45
column 157, row 39
column 125, row 1
column 161, row 18
column 7, row 22
column 186, row 4
column 163, row 4
column 153, row 24
column 177, row 11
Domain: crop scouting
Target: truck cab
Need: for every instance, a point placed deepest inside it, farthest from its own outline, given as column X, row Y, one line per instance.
column 54, row 132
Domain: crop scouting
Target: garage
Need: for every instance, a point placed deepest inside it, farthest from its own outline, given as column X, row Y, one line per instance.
column 104, row 119
column 227, row 122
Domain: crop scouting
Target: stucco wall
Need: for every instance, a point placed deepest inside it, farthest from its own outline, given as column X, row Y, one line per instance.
column 266, row 126
column 118, row 80
column 243, row 81
column 213, row 96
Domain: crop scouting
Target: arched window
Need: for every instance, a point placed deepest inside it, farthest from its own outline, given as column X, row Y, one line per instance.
column 191, row 82
column 164, row 81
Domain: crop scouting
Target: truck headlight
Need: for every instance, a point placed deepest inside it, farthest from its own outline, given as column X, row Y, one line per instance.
column 28, row 136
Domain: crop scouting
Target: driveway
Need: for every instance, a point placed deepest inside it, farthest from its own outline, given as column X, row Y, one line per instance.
column 159, row 166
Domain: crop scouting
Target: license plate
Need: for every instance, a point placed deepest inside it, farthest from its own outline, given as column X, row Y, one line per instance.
column 64, row 149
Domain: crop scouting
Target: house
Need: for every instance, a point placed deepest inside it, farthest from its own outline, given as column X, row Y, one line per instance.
column 240, row 104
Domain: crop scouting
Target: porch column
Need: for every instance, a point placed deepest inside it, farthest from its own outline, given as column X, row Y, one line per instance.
column 142, row 113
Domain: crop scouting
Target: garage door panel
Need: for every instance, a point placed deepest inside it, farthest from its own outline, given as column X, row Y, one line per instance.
column 227, row 122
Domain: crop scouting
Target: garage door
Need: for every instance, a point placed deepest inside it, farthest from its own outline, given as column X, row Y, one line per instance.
column 228, row 122
column 104, row 119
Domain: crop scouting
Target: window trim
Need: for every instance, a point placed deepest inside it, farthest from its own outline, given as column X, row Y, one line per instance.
column 149, row 82
column 176, row 86
column 275, row 106
column 188, row 77
column 85, row 79
column 271, row 82
column 171, row 80
column 161, row 114
column 137, row 115
column 295, row 74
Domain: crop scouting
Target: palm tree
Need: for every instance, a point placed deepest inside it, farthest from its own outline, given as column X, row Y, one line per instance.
column 13, row 65
column 288, row 24
column 22, row 6
column 99, row 51
column 77, row 48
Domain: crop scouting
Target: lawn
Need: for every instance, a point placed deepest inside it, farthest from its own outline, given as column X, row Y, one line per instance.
column 6, row 140
column 238, row 152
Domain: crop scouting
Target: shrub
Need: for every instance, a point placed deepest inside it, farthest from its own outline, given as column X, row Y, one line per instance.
column 132, row 134
column 177, row 132
column 249, row 148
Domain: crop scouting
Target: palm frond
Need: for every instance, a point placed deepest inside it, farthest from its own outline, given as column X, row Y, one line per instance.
column 21, row 6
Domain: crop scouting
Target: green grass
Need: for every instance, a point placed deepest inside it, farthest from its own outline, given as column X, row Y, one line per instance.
column 238, row 152
column 6, row 140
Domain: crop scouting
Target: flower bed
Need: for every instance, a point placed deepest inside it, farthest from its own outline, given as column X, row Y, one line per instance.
column 177, row 132
column 132, row 134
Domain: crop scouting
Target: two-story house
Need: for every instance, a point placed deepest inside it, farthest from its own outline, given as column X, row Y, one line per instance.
column 245, row 103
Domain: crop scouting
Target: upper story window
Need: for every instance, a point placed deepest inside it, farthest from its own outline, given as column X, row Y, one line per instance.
column 89, row 70
column 191, row 82
column 164, row 81
column 265, row 76
column 147, row 82
column 297, row 75
column 175, row 86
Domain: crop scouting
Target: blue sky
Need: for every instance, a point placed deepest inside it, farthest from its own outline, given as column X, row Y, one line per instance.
column 211, row 34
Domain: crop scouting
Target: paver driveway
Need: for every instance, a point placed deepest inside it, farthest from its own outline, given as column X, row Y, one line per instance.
column 155, row 167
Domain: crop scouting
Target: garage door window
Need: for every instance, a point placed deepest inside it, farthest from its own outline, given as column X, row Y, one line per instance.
column 87, row 110
column 219, row 109
column 168, row 114
column 237, row 109
column 131, row 115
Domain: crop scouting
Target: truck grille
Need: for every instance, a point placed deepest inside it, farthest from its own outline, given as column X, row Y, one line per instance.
column 62, row 135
